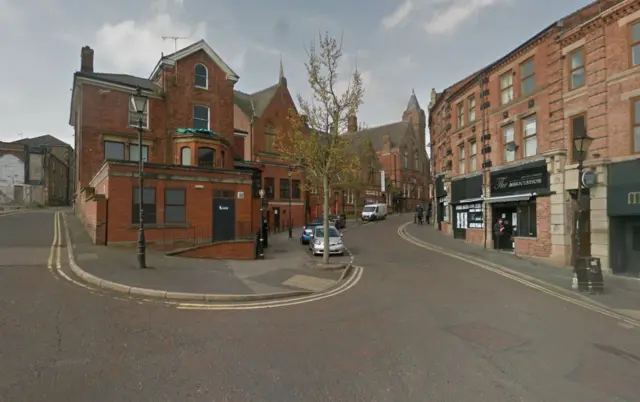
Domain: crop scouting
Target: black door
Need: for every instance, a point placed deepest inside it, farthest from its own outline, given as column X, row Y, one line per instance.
column 276, row 219
column 224, row 219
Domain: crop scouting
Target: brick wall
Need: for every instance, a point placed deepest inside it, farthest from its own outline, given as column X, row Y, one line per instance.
column 233, row 250
column 476, row 236
column 539, row 246
column 93, row 213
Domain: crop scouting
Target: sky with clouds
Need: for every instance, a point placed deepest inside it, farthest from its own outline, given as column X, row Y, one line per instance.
column 399, row 45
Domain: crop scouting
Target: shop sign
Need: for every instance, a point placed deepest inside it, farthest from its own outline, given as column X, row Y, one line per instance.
column 521, row 180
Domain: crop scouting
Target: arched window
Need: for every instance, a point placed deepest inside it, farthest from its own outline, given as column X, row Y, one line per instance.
column 201, row 76
column 185, row 156
column 416, row 161
column 405, row 160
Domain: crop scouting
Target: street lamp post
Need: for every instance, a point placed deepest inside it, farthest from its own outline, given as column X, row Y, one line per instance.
column 290, row 173
column 261, row 243
column 581, row 145
column 139, row 103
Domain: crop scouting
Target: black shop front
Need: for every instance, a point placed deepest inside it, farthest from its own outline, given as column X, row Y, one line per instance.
column 623, row 208
column 467, row 205
column 514, row 191
column 442, row 210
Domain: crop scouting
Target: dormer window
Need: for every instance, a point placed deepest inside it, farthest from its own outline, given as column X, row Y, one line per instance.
column 201, row 76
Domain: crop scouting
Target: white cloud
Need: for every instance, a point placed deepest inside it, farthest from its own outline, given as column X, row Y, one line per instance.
column 134, row 47
column 399, row 15
column 447, row 21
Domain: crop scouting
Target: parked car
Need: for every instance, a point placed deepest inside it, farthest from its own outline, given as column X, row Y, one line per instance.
column 339, row 221
column 316, row 245
column 307, row 231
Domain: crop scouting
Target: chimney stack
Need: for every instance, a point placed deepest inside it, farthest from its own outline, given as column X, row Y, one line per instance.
column 352, row 124
column 86, row 60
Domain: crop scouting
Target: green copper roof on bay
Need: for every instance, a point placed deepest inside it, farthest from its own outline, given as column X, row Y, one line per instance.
column 197, row 131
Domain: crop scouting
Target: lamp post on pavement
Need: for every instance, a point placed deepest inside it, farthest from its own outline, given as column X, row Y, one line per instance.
column 290, row 173
column 581, row 145
column 139, row 103
column 261, row 243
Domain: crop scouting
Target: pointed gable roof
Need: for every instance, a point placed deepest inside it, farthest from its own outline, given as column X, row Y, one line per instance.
column 172, row 58
column 396, row 132
column 413, row 102
column 256, row 103
column 43, row 140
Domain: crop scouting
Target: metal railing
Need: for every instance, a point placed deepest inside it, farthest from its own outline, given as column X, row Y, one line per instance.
column 196, row 235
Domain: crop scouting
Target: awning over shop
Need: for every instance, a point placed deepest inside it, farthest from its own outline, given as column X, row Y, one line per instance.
column 510, row 198
column 470, row 200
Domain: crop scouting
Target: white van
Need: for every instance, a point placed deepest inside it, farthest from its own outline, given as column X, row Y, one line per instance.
column 372, row 212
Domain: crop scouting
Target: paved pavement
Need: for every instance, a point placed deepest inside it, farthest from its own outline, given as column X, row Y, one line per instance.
column 285, row 268
column 419, row 326
column 621, row 294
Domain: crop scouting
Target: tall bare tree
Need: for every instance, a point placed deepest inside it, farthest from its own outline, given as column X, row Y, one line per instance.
column 313, row 137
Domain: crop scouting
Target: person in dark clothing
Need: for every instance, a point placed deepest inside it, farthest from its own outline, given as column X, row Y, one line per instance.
column 420, row 215
column 500, row 231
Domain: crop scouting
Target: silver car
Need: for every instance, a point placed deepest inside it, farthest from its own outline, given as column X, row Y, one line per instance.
column 316, row 245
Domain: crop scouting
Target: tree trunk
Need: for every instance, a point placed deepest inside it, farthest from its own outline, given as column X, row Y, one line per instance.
column 355, row 206
column 325, row 208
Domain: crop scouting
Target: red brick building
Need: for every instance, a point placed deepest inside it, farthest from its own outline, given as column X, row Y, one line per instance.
column 258, row 117
column 502, row 141
column 194, row 186
column 402, row 157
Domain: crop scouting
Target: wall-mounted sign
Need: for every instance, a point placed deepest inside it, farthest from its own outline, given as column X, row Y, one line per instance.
column 589, row 178
column 523, row 179
column 383, row 183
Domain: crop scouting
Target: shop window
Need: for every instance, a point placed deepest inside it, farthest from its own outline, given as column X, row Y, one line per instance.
column 527, row 223
column 148, row 205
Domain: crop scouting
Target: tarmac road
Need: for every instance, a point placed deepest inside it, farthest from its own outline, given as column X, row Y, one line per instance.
column 419, row 326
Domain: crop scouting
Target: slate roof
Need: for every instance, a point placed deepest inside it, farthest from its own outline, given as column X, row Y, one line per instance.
column 413, row 102
column 256, row 103
column 396, row 132
column 46, row 140
column 122, row 79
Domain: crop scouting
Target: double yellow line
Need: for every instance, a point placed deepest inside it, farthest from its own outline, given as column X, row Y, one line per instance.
column 520, row 278
column 54, row 252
